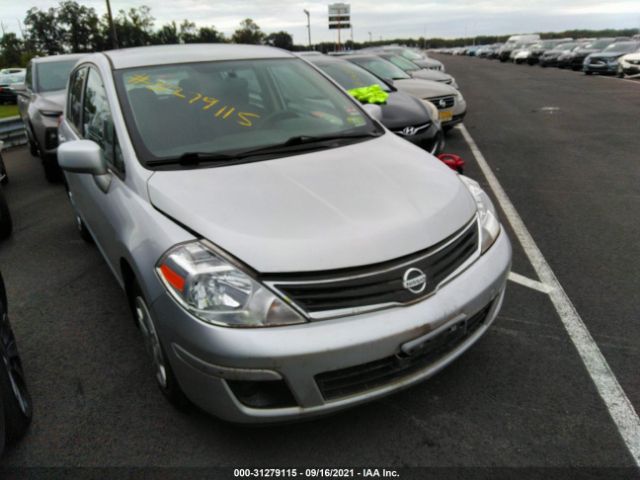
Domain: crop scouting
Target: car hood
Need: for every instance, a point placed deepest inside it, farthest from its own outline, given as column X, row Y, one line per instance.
column 52, row 100
column 424, row 88
column 434, row 75
column 402, row 110
column 427, row 63
column 607, row 55
column 349, row 206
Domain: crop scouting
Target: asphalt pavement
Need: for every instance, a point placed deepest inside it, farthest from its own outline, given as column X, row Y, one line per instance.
column 521, row 397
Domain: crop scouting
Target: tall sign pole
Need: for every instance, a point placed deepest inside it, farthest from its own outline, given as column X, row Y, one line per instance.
column 339, row 18
column 306, row 12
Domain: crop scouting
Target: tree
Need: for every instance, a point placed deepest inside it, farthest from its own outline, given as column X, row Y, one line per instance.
column 80, row 27
column 135, row 27
column 188, row 32
column 280, row 40
column 167, row 35
column 210, row 35
column 11, row 50
column 44, row 32
column 249, row 32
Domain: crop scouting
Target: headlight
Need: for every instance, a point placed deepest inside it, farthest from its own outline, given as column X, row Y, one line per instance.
column 433, row 111
column 459, row 97
column 489, row 224
column 454, row 84
column 217, row 292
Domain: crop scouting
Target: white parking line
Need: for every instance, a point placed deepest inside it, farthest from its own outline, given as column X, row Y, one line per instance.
column 619, row 407
column 528, row 282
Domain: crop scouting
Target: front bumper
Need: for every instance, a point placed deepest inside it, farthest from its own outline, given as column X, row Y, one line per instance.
column 630, row 69
column 208, row 359
column 605, row 68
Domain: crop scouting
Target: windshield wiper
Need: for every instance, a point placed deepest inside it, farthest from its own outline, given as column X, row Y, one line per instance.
column 299, row 142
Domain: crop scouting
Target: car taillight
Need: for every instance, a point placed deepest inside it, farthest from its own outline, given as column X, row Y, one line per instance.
column 60, row 119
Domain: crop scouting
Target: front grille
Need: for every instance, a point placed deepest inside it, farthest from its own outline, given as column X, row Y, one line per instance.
column 368, row 376
column 441, row 103
column 376, row 286
column 411, row 130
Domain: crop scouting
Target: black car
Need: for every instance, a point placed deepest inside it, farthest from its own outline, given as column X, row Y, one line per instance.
column 16, row 408
column 7, row 95
column 403, row 114
column 537, row 49
column 550, row 57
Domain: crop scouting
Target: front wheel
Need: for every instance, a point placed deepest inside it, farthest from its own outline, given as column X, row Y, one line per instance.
column 18, row 408
column 165, row 378
column 52, row 171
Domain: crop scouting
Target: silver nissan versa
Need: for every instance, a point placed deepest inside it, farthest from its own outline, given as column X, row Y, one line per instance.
column 284, row 254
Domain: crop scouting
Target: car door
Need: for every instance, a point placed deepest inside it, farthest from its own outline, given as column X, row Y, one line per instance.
column 102, row 211
column 24, row 96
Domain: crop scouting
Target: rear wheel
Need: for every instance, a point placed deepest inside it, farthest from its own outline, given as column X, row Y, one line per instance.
column 6, row 224
column 18, row 408
column 165, row 378
column 52, row 171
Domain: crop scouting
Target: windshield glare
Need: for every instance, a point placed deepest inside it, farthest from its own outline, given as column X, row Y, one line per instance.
column 411, row 55
column 53, row 75
column 381, row 68
column 351, row 76
column 230, row 106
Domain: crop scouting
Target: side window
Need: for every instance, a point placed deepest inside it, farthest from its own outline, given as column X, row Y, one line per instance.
column 74, row 107
column 28, row 78
column 97, row 124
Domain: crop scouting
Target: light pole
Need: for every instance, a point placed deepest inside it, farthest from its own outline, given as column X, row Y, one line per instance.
column 369, row 37
column 113, row 27
column 306, row 12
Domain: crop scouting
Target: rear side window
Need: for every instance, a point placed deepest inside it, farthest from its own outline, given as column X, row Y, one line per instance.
column 74, row 108
column 97, row 122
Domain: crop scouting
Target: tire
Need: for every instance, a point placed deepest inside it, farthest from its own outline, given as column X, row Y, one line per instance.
column 33, row 146
column 6, row 224
column 164, row 376
column 18, row 407
column 3, row 172
column 52, row 171
column 84, row 232
column 620, row 72
column 587, row 72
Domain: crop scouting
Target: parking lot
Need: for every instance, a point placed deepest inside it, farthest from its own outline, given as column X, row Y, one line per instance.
column 564, row 147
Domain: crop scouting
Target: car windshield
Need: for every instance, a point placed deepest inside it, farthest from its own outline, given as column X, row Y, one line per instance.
column 622, row 47
column 53, row 75
column 411, row 55
column 227, row 107
column 351, row 76
column 566, row 46
column 403, row 63
column 599, row 44
column 381, row 68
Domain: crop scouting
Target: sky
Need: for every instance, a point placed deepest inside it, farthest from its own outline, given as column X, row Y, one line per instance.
column 384, row 19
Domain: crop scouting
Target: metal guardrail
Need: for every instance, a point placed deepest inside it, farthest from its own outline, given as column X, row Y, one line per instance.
column 12, row 131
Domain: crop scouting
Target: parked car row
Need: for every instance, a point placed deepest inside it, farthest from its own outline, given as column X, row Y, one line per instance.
column 609, row 56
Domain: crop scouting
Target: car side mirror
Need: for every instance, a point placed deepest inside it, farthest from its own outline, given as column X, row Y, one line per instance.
column 373, row 110
column 85, row 156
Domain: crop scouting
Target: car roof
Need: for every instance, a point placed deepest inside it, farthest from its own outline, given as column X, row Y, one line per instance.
column 59, row 58
column 202, row 52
